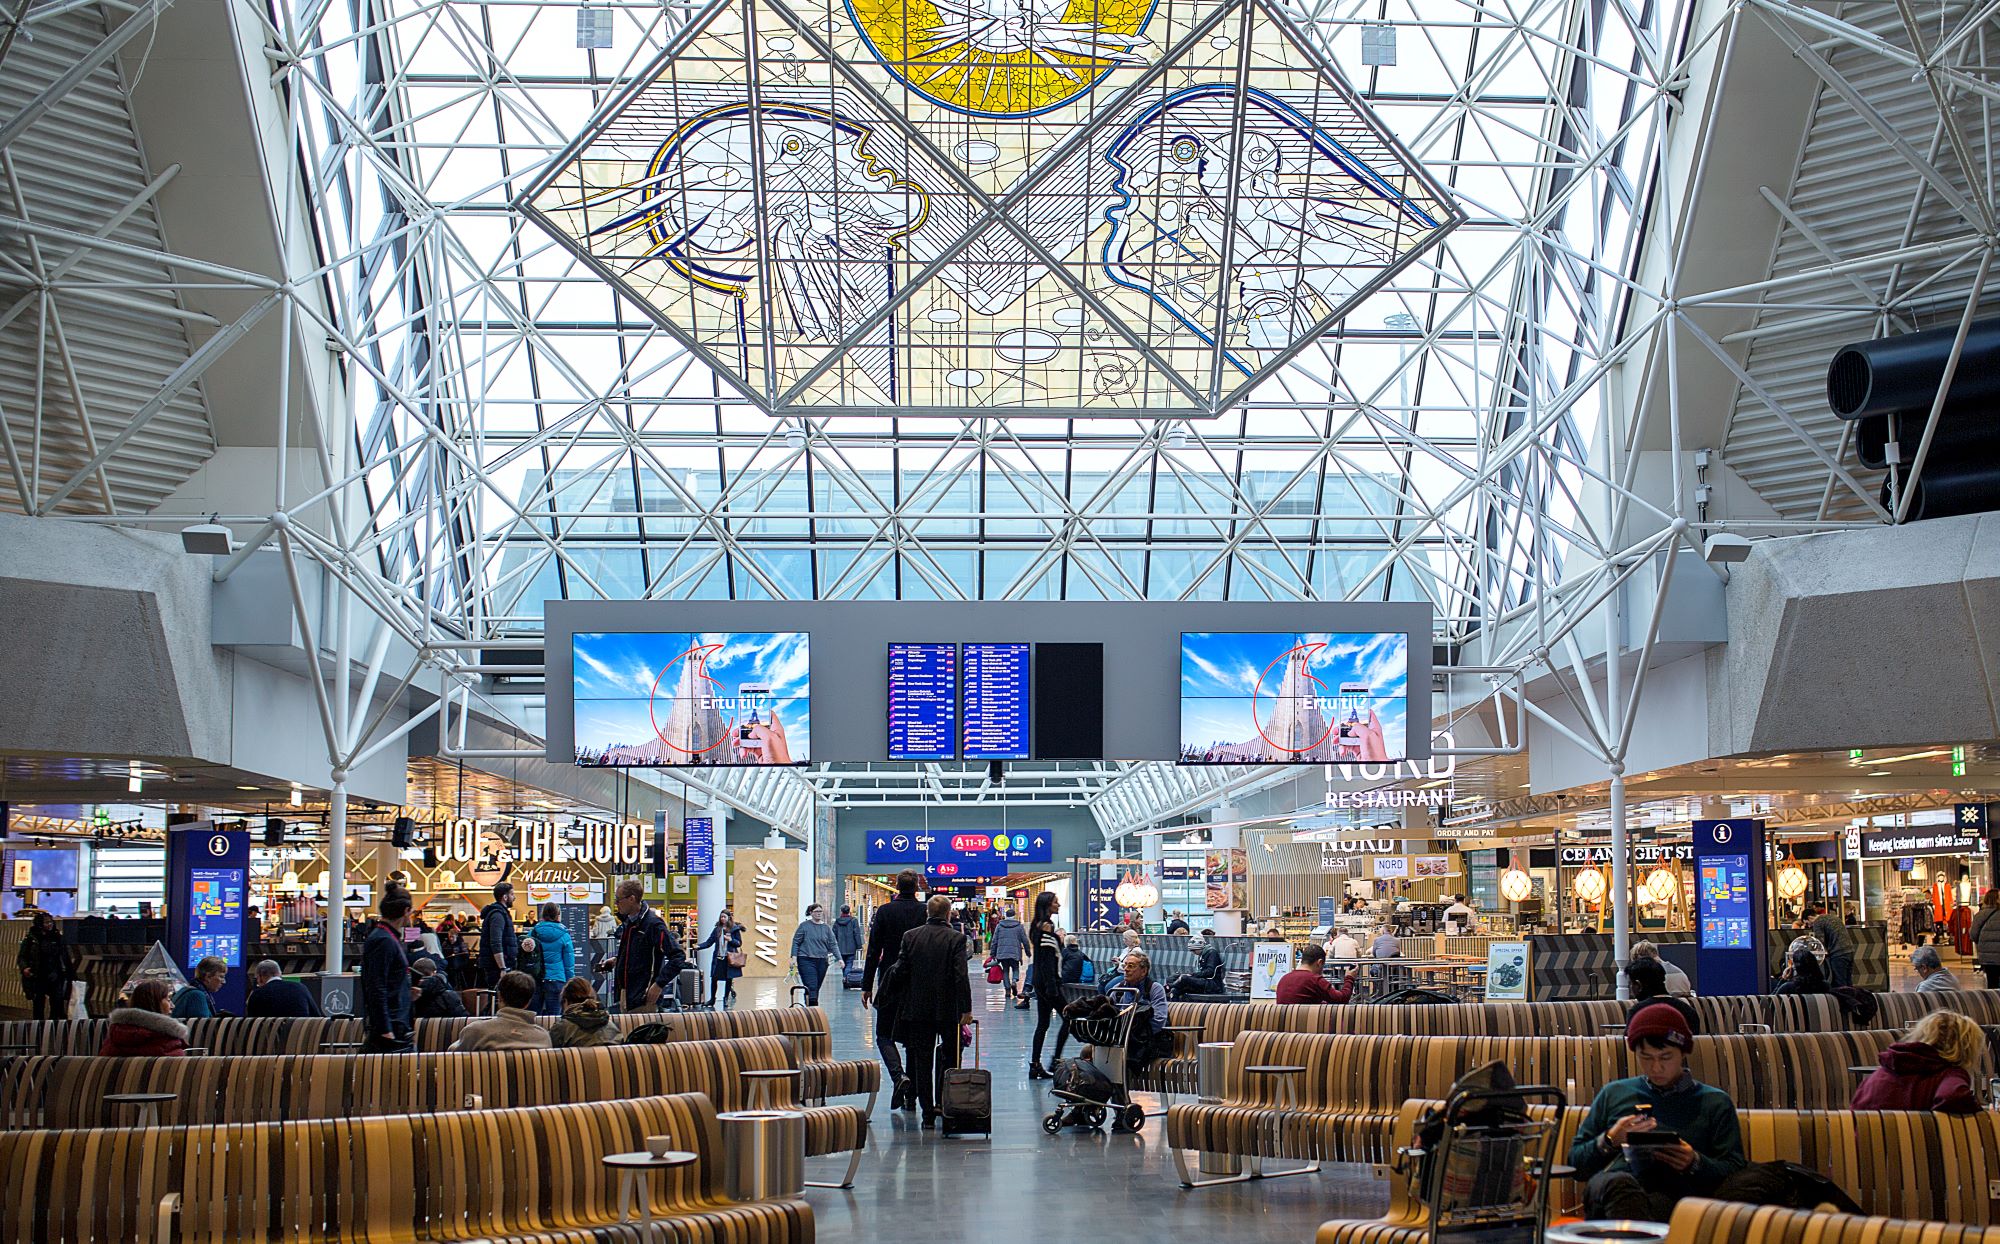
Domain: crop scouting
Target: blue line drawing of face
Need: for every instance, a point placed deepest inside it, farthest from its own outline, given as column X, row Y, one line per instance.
column 1312, row 221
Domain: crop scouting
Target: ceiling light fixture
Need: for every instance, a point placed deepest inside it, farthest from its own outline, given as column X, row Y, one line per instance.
column 1516, row 886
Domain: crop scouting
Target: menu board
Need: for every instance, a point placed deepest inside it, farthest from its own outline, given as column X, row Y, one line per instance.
column 923, row 701
column 994, row 709
column 1724, row 893
column 215, row 915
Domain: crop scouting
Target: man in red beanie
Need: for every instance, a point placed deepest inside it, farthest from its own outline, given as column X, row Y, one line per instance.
column 1659, row 1136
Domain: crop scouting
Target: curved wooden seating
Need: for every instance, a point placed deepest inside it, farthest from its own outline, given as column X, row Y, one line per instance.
column 66, row 1092
column 1932, row 1169
column 1697, row 1221
column 495, row 1175
column 1355, row 1086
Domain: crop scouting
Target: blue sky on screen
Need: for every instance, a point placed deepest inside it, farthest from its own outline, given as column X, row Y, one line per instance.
column 612, row 674
column 1217, row 664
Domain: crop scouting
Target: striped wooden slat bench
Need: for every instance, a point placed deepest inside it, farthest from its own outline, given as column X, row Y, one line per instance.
column 1930, row 1168
column 1697, row 1221
column 1354, row 1086
column 65, row 1093
column 518, row 1175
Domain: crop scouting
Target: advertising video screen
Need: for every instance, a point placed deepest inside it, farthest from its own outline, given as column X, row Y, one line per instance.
column 676, row 699
column 1294, row 698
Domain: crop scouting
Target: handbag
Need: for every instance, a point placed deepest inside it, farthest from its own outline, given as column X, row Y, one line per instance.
column 737, row 958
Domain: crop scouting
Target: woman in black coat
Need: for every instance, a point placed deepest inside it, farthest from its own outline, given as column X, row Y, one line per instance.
column 1051, row 970
column 45, row 966
column 727, row 938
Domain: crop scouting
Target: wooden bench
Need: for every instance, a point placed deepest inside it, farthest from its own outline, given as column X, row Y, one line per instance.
column 825, row 1076
column 1354, row 1086
column 489, row 1175
column 63, row 1093
column 1933, row 1168
column 1697, row 1221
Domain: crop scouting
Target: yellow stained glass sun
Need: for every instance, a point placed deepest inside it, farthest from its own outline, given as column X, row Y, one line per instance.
column 1003, row 57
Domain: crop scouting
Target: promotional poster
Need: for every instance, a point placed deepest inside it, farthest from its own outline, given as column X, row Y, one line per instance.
column 1294, row 698
column 680, row 699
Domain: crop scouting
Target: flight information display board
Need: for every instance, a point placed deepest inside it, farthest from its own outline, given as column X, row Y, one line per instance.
column 993, row 710
column 923, row 701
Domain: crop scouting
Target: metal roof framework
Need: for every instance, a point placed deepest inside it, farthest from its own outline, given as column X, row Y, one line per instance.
column 514, row 433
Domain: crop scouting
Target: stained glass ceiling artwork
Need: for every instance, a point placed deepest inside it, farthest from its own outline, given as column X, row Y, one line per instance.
column 943, row 206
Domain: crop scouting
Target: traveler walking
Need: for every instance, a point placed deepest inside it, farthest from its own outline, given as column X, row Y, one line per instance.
column 499, row 945
column 46, row 970
column 726, row 963
column 1986, row 937
column 274, row 997
column 1010, row 946
column 558, row 959
column 892, row 920
column 1051, row 970
column 813, row 944
column 143, row 1028
column 1927, row 1070
column 385, row 980
column 936, row 1001
column 513, row 1026
column 649, row 959
column 848, row 935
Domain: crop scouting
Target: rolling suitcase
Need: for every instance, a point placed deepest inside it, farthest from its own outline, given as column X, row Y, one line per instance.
column 851, row 975
column 965, row 1098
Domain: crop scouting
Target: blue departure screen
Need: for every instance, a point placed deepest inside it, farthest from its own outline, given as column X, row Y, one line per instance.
column 923, row 701
column 994, row 711
column 215, row 915
column 1725, row 902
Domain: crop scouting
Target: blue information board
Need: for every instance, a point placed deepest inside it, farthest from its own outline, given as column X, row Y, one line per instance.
column 1100, row 902
column 923, row 701
column 698, row 846
column 208, row 887
column 1731, row 925
column 994, row 710
column 952, row 857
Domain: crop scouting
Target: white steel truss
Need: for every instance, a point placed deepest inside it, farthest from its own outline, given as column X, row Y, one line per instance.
column 509, row 431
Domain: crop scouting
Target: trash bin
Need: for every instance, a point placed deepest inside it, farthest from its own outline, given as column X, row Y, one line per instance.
column 336, row 992
column 1211, row 1067
column 763, row 1154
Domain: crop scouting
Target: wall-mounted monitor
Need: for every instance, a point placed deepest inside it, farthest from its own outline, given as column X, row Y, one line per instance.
column 673, row 699
column 923, row 701
column 994, row 706
column 1286, row 697
column 1069, row 701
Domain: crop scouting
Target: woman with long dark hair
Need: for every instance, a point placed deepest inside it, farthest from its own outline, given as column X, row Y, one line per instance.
column 1047, row 942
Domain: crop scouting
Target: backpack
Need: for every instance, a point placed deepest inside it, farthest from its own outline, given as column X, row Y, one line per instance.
column 1087, row 1080
column 1089, row 973
column 649, row 1034
column 530, row 959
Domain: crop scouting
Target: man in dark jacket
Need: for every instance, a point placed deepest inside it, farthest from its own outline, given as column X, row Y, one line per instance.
column 431, row 996
column 1206, row 979
column 499, row 945
column 385, row 980
column 936, row 1000
column 885, row 940
column 277, row 998
column 649, row 958
column 847, row 935
column 1010, row 946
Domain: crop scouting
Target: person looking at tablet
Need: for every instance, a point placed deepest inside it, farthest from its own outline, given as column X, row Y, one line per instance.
column 1659, row 1136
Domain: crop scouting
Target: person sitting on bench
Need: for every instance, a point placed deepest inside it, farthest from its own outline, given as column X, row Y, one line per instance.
column 1655, row 1138
column 1307, row 983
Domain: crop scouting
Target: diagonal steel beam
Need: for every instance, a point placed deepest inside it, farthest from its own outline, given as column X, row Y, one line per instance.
column 89, row 63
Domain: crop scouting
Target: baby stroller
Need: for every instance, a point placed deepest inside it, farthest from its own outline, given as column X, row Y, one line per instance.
column 1087, row 1093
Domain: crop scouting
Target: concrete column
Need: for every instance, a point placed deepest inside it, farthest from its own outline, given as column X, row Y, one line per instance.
column 1149, row 850
column 336, row 872
column 1226, row 923
column 711, row 893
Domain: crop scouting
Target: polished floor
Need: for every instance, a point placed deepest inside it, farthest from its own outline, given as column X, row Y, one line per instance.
column 1082, row 1187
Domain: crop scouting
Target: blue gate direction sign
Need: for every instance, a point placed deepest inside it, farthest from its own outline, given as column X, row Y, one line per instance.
column 952, row 856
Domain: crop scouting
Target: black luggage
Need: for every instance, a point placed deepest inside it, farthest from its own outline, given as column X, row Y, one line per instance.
column 1083, row 1079
column 850, row 976
column 965, row 1098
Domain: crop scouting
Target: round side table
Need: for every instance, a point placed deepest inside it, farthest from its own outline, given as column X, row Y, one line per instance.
column 632, row 1170
column 148, row 1103
column 762, row 1091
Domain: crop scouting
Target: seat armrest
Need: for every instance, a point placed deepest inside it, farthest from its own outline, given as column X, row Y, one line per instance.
column 170, row 1211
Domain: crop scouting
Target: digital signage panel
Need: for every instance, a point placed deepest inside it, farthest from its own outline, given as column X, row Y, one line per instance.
column 1723, row 893
column 994, row 708
column 673, row 699
column 923, row 701
column 1294, row 697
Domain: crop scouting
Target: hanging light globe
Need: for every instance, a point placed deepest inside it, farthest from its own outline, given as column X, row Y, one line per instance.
column 1589, row 886
column 1516, row 886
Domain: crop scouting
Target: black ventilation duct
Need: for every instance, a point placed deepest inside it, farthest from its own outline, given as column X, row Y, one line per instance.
column 1888, row 386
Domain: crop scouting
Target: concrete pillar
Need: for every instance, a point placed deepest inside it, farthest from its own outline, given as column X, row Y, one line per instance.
column 1149, row 850
column 711, row 893
column 336, row 872
column 1226, row 837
